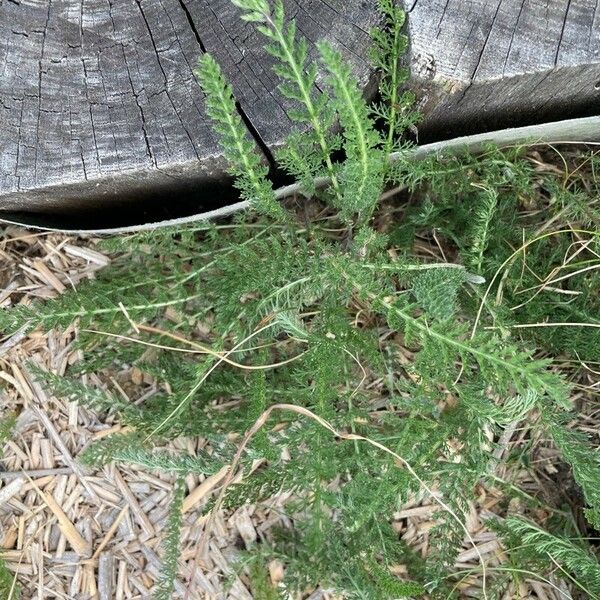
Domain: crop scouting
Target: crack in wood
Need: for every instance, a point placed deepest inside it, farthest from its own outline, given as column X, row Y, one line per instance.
column 264, row 148
column 562, row 32
column 99, row 98
column 192, row 25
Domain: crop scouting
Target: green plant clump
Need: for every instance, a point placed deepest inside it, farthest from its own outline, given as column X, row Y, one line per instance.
column 363, row 353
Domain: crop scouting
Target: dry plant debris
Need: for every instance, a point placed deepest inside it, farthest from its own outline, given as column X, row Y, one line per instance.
column 68, row 532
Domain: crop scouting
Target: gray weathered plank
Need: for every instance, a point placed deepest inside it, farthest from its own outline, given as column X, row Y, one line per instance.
column 98, row 99
column 99, row 104
column 482, row 64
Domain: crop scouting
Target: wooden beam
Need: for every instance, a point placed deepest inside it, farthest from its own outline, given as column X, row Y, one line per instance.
column 479, row 65
column 99, row 106
column 99, row 103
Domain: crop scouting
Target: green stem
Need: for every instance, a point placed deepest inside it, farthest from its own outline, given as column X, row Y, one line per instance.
column 394, row 98
column 308, row 102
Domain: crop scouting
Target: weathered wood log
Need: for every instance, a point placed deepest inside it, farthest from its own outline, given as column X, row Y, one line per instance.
column 99, row 105
column 487, row 64
column 98, row 99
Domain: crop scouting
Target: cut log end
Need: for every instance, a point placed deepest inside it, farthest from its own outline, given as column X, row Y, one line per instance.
column 99, row 105
column 484, row 65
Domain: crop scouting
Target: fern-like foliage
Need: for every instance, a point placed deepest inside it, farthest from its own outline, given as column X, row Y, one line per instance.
column 89, row 396
column 483, row 222
column 362, row 174
column 171, row 545
column 245, row 163
column 260, row 584
column 299, row 78
column 130, row 449
column 225, row 320
column 7, row 424
column 387, row 54
column 9, row 588
column 583, row 458
column 573, row 559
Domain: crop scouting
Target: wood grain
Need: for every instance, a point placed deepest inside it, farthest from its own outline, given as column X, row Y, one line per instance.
column 485, row 64
column 98, row 99
column 99, row 105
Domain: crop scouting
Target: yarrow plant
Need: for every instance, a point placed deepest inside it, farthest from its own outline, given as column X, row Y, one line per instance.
column 393, row 364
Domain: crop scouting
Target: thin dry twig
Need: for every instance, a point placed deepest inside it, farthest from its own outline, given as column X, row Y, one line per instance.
column 222, row 356
column 259, row 423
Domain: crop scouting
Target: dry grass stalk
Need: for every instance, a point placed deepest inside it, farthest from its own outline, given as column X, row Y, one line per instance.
column 48, row 502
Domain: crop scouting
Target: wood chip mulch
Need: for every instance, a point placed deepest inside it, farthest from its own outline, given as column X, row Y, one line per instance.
column 72, row 533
